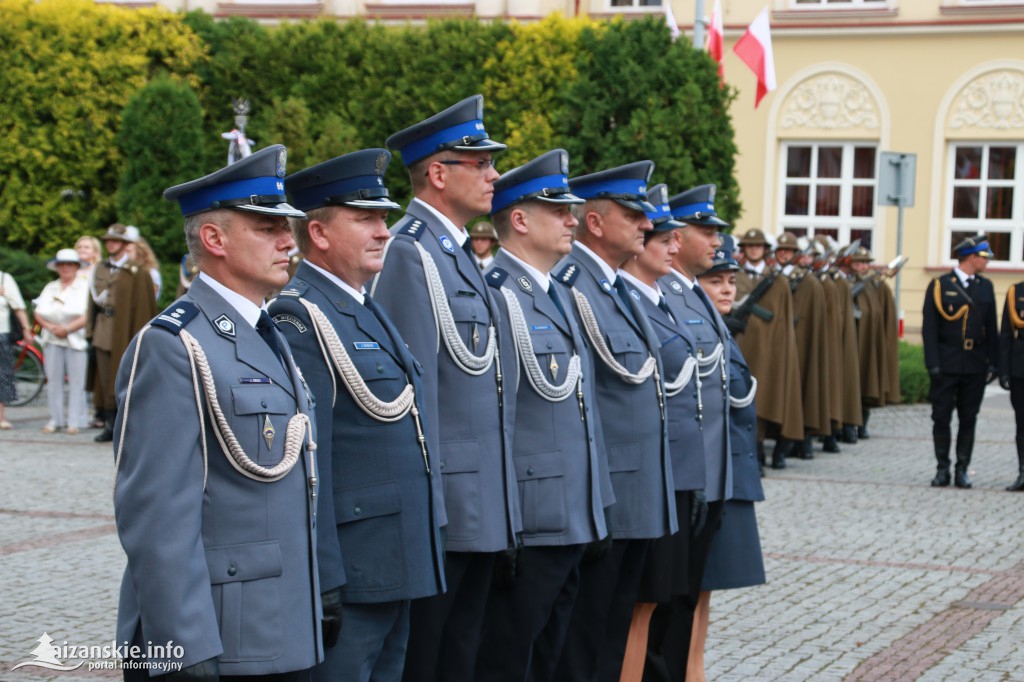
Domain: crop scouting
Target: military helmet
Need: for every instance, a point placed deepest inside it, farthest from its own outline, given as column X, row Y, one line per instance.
column 753, row 237
column 787, row 240
column 862, row 255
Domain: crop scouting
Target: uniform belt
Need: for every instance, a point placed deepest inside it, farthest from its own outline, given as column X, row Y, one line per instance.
column 966, row 344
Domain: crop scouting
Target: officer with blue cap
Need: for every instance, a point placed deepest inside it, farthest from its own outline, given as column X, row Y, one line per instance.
column 695, row 315
column 378, row 539
column 961, row 352
column 556, row 425
column 216, row 487
column 436, row 295
column 630, row 398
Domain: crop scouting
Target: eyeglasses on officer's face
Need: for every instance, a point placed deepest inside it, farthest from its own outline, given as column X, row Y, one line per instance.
column 482, row 165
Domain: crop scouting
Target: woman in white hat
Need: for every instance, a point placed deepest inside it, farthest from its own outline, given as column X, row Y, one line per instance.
column 60, row 311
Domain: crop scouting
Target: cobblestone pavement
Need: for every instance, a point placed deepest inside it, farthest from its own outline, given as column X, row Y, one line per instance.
column 872, row 574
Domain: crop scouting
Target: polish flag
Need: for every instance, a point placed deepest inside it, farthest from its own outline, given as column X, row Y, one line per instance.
column 755, row 49
column 670, row 19
column 716, row 40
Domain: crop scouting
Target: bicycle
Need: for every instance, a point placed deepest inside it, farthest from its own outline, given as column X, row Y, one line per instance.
column 29, row 377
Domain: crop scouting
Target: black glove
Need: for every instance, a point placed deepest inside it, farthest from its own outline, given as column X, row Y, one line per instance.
column 331, row 622
column 698, row 513
column 203, row 671
column 735, row 325
column 1004, row 381
column 935, row 371
column 506, row 566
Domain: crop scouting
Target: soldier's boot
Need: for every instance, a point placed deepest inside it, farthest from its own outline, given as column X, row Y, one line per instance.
column 862, row 430
column 964, row 446
column 807, row 450
column 798, row 449
column 783, row 447
column 850, row 434
column 941, row 479
column 107, row 434
column 830, row 443
column 1018, row 485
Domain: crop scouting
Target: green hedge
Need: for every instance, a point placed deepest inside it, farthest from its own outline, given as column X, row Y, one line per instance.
column 78, row 159
column 914, row 379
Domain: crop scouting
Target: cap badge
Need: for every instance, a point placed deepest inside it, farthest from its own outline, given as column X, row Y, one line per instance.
column 282, row 161
column 563, row 162
column 381, row 164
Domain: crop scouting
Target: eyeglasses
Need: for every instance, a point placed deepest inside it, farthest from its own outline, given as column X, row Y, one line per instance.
column 480, row 164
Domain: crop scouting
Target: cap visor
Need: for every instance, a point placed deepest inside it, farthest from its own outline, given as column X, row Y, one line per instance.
column 484, row 145
column 564, row 198
column 381, row 203
column 286, row 210
column 666, row 225
column 707, row 221
column 637, row 205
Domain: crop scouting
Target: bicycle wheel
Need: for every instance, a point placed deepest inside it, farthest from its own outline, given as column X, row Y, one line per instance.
column 28, row 376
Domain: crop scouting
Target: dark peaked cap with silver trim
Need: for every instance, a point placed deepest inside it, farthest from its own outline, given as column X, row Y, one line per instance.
column 355, row 180
column 460, row 127
column 696, row 206
column 254, row 184
column 545, row 178
column 661, row 216
column 625, row 185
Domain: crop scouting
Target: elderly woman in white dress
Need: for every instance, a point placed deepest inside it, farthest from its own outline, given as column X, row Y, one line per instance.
column 60, row 311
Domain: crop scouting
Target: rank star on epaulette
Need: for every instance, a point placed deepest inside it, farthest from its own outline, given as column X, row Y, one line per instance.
column 525, row 284
column 225, row 325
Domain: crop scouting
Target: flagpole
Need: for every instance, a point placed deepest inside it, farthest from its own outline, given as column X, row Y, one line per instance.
column 698, row 24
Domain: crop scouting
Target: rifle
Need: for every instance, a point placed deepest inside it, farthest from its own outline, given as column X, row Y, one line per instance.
column 894, row 266
column 738, row 317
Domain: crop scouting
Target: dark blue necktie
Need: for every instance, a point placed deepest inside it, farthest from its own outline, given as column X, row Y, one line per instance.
column 623, row 291
column 554, row 298
column 266, row 328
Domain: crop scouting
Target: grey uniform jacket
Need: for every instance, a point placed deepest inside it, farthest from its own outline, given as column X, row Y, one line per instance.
column 708, row 328
column 472, row 445
column 632, row 415
column 218, row 563
column 743, row 430
column 555, row 447
column 685, row 439
column 376, row 508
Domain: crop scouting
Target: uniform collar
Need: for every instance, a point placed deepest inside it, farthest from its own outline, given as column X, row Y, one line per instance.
column 359, row 294
column 683, row 278
column 961, row 275
column 541, row 278
column 757, row 267
column 249, row 311
column 609, row 273
column 652, row 293
column 457, row 233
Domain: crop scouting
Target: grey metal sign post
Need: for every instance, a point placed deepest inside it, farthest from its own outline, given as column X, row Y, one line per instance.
column 897, row 173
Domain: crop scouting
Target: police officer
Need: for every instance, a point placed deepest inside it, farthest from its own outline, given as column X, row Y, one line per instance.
column 377, row 525
column 961, row 350
column 483, row 239
column 216, row 485
column 121, row 301
column 668, row 644
column 435, row 293
column 630, row 397
column 1011, row 367
column 556, row 450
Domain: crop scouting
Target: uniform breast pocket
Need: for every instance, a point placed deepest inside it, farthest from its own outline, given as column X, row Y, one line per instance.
column 541, row 479
column 627, row 348
column 470, row 315
column 552, row 354
column 244, row 580
column 381, row 374
column 261, row 414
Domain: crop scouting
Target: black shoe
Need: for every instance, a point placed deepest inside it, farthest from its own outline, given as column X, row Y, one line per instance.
column 850, row 434
column 941, row 479
column 807, row 451
column 862, row 432
column 960, row 479
column 830, row 444
column 105, row 436
column 1017, row 485
column 783, row 448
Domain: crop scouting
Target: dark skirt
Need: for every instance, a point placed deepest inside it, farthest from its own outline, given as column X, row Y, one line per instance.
column 7, row 393
column 736, row 559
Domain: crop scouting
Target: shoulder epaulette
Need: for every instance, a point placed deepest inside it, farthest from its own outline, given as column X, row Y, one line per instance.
column 496, row 277
column 174, row 318
column 568, row 274
column 412, row 228
column 295, row 288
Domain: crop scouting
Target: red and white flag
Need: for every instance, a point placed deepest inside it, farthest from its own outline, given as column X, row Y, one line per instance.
column 716, row 40
column 755, row 49
column 670, row 19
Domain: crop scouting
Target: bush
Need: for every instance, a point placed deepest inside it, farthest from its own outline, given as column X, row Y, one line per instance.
column 28, row 271
column 914, row 379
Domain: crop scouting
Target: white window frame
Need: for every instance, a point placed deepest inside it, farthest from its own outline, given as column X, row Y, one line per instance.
column 845, row 221
column 825, row 5
column 635, row 6
column 1014, row 225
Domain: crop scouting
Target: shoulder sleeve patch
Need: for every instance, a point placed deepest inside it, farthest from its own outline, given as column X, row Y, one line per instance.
column 174, row 318
column 410, row 227
column 496, row 277
column 568, row 274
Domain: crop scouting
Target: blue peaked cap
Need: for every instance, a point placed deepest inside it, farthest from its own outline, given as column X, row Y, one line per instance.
column 977, row 244
column 661, row 216
column 696, row 206
column 545, row 178
column 460, row 127
column 625, row 185
column 355, row 180
column 254, row 184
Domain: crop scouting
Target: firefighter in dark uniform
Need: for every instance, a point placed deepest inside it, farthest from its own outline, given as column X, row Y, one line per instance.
column 961, row 350
column 1011, row 367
